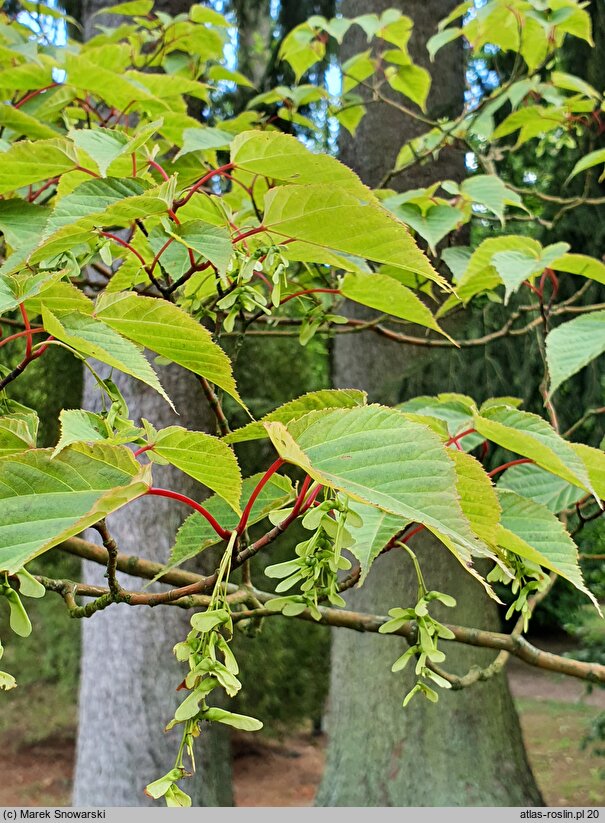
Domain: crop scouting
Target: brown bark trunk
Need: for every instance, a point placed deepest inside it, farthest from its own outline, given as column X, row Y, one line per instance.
column 128, row 672
column 467, row 749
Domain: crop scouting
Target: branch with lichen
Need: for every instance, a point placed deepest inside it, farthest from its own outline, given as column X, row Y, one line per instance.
column 190, row 595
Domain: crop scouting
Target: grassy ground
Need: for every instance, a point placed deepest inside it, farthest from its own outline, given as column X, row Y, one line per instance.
column 566, row 775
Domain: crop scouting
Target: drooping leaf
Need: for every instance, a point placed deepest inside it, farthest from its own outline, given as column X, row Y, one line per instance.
column 573, row 345
column 169, row 331
column 530, row 530
column 377, row 456
column 432, row 224
column 384, row 293
column 322, row 399
column 207, row 459
column 371, row 537
column 490, row 191
column 529, row 480
column 412, row 81
column 532, row 437
column 93, row 338
column 45, row 500
column 335, row 218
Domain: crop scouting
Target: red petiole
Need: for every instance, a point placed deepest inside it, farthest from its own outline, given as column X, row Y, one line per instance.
column 181, row 498
column 259, row 487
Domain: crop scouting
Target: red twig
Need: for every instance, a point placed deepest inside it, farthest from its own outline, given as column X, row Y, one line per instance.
column 87, row 171
column 201, row 182
column 458, row 437
column 35, row 93
column 147, row 448
column 308, row 291
column 20, row 334
column 32, row 196
column 124, row 244
column 28, row 331
column 248, row 233
column 259, row 487
column 412, row 533
column 504, row 466
column 181, row 498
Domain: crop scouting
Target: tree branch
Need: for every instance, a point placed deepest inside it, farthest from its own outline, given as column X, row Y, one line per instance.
column 517, row 646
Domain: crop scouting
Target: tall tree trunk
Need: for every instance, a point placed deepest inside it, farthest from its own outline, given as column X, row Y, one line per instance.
column 128, row 672
column 467, row 749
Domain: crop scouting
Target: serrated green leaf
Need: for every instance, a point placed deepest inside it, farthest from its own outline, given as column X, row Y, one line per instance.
column 211, row 242
column 480, row 274
column 26, row 163
column 103, row 145
column 23, row 124
column 573, row 345
column 533, row 532
column 581, row 264
column 541, row 486
column 432, row 225
column 593, row 158
column 204, row 139
column 170, row 332
column 478, row 497
column 490, row 191
column 97, row 203
column 46, row 500
column 322, row 399
column 377, row 456
column 531, row 436
column 59, row 297
column 283, row 157
column 332, row 217
column 384, row 293
column 203, row 457
column 371, row 537
column 128, row 9
column 594, row 460
column 22, row 223
column 93, row 338
column 437, row 41
column 80, row 426
column 412, row 81
column 17, row 288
